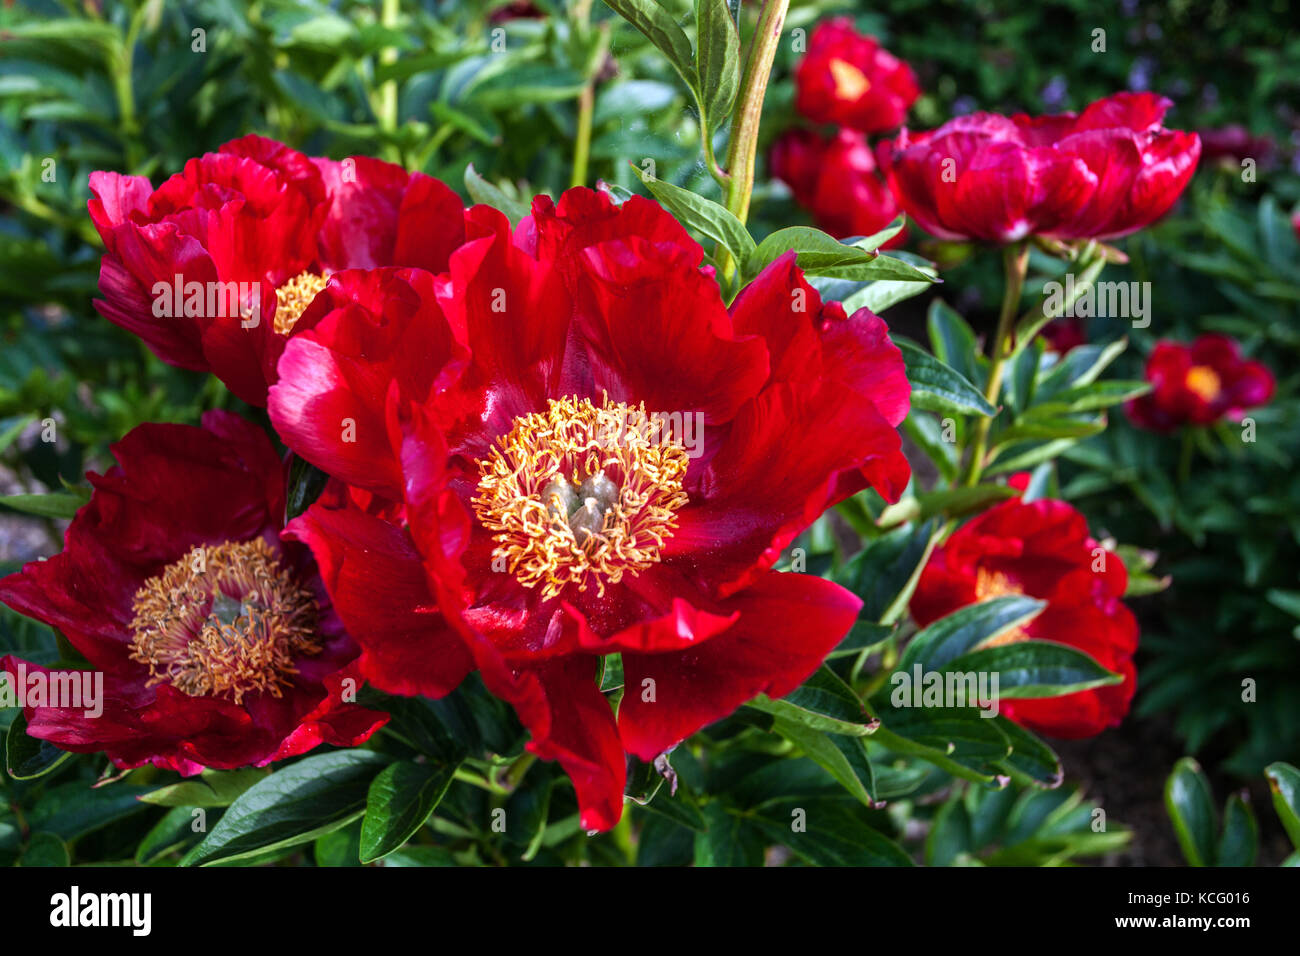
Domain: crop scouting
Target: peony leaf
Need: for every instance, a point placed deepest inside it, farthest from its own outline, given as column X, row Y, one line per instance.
column 293, row 805
column 398, row 803
column 1188, row 802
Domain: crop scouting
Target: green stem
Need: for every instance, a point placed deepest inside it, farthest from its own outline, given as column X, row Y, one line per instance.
column 582, row 144
column 580, row 15
column 1015, row 259
column 1185, row 457
column 122, row 61
column 743, row 146
column 388, row 17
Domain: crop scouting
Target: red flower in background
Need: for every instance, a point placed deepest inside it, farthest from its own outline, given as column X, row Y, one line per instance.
column 837, row 181
column 1062, row 335
column 850, row 80
column 1231, row 144
column 552, row 518
column 253, row 231
column 1199, row 384
column 1104, row 173
column 1042, row 549
column 217, row 643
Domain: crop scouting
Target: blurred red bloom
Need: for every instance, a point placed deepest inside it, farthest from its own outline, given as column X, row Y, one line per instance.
column 1062, row 335
column 1043, row 549
column 837, row 181
column 1231, row 144
column 217, row 644
column 1199, row 384
column 215, row 267
column 1104, row 173
column 848, row 79
column 595, row 455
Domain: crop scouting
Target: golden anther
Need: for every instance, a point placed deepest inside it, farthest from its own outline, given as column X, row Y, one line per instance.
column 292, row 299
column 224, row 621
column 992, row 584
column 581, row 494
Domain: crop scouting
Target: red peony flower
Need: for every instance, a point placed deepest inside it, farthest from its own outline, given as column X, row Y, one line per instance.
column 1109, row 171
column 1229, row 145
column 837, row 181
column 1042, row 549
column 1199, row 384
column 595, row 455
column 850, row 80
column 1061, row 335
column 215, row 267
column 215, row 643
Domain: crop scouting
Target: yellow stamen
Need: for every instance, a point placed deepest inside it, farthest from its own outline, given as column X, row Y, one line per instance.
column 581, row 494
column 292, row 299
column 992, row 584
column 224, row 621
column 850, row 82
column 1204, row 381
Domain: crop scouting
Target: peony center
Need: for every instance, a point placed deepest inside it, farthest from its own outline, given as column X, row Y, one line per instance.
column 581, row 494
column 292, row 299
column 850, row 82
column 993, row 584
column 1204, row 381
column 224, row 621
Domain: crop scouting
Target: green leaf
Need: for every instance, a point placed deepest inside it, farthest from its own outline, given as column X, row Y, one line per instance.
column 965, row 629
column 45, row 849
column 937, row 387
column 55, row 505
column 74, row 809
column 1284, row 783
column 481, row 191
column 1188, row 802
column 1031, row 669
column 823, row 702
column 828, row 832
column 662, row 30
column 400, row 799
column 702, row 215
column 293, row 805
column 212, row 788
column 956, row 739
column 27, row 758
column 885, row 572
column 718, row 61
column 421, row 856
column 728, row 841
column 952, row 340
column 1030, row 758
column 814, row 250
column 950, row 834
column 175, row 831
column 844, row 758
column 1239, row 842
column 306, row 482
column 1097, row 395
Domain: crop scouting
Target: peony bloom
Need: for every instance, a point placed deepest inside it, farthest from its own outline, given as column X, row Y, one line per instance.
column 1042, row 549
column 1104, row 173
column 837, row 181
column 850, row 80
column 1229, row 145
column 1062, row 335
column 595, row 456
column 217, row 644
column 1199, row 384
column 215, row 267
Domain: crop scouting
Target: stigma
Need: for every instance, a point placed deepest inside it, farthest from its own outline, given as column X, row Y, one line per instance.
column 581, row 494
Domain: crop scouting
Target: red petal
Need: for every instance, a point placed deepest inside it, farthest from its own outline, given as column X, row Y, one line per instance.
column 787, row 625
